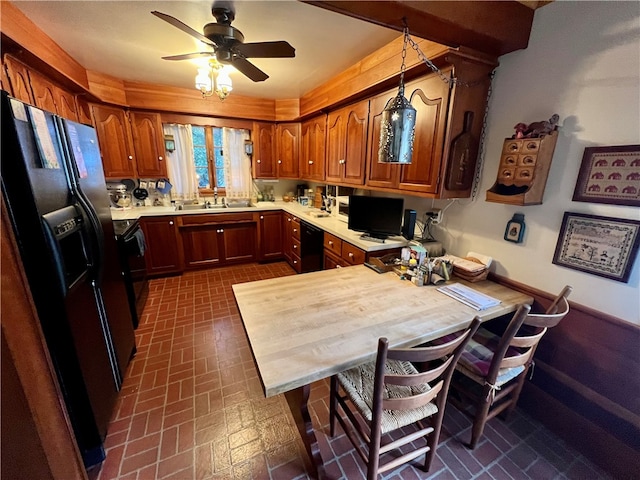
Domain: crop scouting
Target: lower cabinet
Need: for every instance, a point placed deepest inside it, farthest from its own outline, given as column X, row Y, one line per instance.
column 270, row 236
column 162, row 255
column 338, row 253
column 217, row 239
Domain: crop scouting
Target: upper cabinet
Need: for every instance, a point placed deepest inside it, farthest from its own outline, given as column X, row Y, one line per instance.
column 447, row 133
column 148, row 143
column 264, row 150
column 287, row 149
column 347, row 144
column 429, row 97
column 313, row 148
column 18, row 77
column 116, row 144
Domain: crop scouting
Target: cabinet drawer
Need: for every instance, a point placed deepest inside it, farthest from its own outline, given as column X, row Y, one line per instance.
column 295, row 229
column 296, row 247
column 332, row 243
column 296, row 263
column 214, row 218
column 352, row 254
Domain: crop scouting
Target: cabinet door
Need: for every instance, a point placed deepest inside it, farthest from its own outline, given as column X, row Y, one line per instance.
column 313, row 151
column 114, row 137
column 65, row 104
column 202, row 246
column 264, row 155
column 84, row 110
column 429, row 96
column 332, row 261
column 288, row 148
column 18, row 74
column 271, row 236
column 162, row 252
column 335, row 146
column 148, row 143
column 239, row 244
column 355, row 143
column 384, row 175
column 43, row 92
column 287, row 245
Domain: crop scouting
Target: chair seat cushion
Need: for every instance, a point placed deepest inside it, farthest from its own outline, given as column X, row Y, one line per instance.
column 477, row 355
column 358, row 384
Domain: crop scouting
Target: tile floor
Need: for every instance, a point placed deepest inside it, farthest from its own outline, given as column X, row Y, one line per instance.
column 192, row 406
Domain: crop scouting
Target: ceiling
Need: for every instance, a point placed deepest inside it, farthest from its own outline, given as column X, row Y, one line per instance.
column 123, row 39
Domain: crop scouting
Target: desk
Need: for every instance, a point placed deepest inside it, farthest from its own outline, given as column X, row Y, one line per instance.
column 304, row 328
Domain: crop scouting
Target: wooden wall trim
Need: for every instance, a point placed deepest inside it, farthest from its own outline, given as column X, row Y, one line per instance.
column 16, row 26
column 107, row 88
column 206, row 121
column 25, row 340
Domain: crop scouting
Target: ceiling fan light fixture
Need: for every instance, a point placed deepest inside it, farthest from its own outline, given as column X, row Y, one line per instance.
column 398, row 122
column 214, row 79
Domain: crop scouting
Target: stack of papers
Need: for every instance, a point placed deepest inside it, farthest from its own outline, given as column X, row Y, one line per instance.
column 469, row 296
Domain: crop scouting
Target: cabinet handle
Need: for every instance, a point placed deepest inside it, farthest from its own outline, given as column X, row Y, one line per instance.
column 288, row 219
column 342, row 162
column 160, row 158
column 295, row 230
column 310, row 162
column 295, row 246
column 279, row 161
column 170, row 222
column 350, row 255
column 222, row 230
column 261, row 217
column 330, row 243
column 258, row 161
column 295, row 262
column 130, row 157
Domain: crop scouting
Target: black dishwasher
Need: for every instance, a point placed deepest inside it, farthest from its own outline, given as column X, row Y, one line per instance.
column 311, row 239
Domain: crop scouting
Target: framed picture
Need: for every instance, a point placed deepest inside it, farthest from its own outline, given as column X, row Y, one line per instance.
column 609, row 175
column 515, row 228
column 602, row 246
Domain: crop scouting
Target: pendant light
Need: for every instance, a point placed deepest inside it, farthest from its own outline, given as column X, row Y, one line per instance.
column 397, row 127
column 214, row 79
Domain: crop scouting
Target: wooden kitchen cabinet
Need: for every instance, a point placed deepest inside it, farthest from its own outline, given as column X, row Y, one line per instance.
column 217, row 239
column 116, row 143
column 43, row 92
column 313, row 148
column 347, row 144
column 148, row 143
column 162, row 255
column 338, row 253
column 288, row 149
column 270, row 236
column 264, row 150
column 18, row 77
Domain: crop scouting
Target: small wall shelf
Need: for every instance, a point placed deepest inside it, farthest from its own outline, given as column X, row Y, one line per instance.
column 523, row 170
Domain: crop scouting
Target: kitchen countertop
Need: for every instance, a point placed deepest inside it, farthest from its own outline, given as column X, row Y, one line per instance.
column 330, row 224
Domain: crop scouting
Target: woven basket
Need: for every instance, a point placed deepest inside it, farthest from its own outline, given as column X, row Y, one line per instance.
column 471, row 276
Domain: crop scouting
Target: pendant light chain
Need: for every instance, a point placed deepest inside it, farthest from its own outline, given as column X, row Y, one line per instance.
column 483, row 134
column 403, row 66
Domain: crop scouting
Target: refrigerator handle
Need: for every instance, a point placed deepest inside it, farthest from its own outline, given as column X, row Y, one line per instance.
column 96, row 233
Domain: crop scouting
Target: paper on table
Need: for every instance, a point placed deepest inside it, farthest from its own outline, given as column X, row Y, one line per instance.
column 469, row 296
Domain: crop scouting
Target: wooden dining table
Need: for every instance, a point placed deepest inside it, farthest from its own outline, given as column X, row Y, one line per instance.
column 304, row 328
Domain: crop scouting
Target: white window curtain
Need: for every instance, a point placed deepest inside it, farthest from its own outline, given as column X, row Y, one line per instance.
column 237, row 164
column 180, row 163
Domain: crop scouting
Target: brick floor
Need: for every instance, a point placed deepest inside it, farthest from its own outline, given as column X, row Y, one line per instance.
column 192, row 406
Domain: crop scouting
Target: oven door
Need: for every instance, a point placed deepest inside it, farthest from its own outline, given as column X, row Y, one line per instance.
column 135, row 272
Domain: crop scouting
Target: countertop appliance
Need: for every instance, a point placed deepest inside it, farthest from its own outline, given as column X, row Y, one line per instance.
column 54, row 189
column 132, row 246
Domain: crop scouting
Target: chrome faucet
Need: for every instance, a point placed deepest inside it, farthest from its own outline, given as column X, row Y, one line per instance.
column 215, row 195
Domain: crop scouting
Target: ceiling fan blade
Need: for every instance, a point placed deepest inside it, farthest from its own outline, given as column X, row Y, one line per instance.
column 249, row 69
column 189, row 56
column 182, row 26
column 265, row 50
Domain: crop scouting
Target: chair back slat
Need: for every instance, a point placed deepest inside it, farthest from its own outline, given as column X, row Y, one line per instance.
column 426, row 354
column 516, row 360
column 549, row 319
column 415, row 401
column 564, row 294
column 418, row 378
column 527, row 341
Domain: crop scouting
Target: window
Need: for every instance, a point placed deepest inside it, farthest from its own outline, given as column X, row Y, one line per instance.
column 208, row 158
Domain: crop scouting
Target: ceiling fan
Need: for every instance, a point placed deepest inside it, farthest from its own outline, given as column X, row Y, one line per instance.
column 228, row 43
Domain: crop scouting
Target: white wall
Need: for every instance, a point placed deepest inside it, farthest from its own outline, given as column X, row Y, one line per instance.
column 583, row 62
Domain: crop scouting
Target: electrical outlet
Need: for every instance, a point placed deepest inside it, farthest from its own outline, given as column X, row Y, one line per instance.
column 435, row 215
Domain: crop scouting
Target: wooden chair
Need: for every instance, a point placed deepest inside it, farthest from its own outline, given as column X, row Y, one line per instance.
column 386, row 395
column 492, row 370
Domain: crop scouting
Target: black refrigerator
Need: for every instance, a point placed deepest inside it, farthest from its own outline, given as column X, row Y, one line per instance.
column 54, row 189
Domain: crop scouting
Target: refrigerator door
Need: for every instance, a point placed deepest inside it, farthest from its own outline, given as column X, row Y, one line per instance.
column 53, row 239
column 88, row 184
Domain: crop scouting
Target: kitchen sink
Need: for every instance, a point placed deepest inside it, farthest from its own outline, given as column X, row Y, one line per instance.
column 239, row 204
column 216, row 206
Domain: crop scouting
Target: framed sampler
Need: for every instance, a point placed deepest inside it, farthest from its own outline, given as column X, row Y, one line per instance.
column 602, row 246
column 609, row 175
